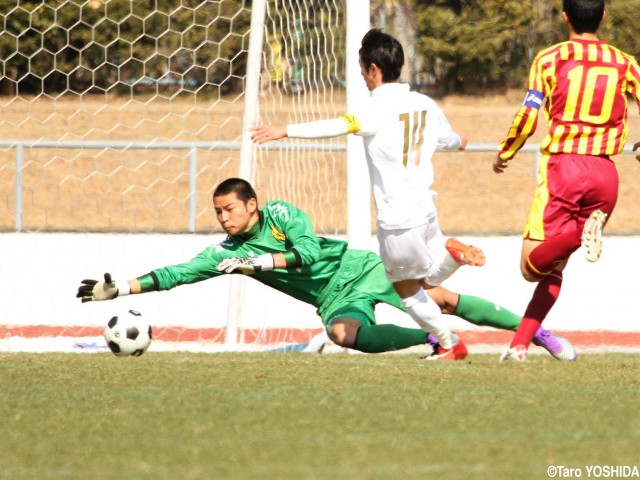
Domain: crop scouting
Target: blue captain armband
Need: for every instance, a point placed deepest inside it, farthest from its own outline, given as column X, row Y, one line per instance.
column 533, row 99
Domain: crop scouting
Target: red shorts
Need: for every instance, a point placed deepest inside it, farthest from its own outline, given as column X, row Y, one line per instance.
column 570, row 187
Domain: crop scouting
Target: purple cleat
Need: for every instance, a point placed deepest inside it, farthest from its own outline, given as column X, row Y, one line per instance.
column 560, row 348
column 433, row 342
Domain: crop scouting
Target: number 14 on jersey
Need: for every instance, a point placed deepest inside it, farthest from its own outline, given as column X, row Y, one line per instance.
column 414, row 124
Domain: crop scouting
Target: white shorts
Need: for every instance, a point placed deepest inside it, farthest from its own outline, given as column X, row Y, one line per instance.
column 416, row 253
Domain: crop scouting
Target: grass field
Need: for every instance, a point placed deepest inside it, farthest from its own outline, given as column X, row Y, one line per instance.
column 294, row 416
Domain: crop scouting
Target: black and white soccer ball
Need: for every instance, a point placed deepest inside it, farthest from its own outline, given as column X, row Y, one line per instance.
column 128, row 334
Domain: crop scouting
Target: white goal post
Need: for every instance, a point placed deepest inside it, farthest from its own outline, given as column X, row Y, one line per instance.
column 357, row 192
column 358, row 185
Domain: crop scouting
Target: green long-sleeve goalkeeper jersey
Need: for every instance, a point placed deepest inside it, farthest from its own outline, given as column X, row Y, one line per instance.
column 282, row 228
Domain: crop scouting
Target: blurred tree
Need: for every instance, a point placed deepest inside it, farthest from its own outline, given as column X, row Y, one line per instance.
column 619, row 27
column 474, row 46
column 197, row 46
column 396, row 18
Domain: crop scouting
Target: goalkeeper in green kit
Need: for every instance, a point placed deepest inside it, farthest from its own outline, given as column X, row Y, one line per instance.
column 278, row 247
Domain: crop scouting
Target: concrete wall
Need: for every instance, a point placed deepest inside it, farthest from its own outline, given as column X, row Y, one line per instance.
column 40, row 273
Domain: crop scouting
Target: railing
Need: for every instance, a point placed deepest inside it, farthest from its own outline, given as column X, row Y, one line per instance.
column 193, row 148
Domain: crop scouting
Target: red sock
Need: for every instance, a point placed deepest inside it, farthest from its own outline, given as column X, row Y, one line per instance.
column 544, row 297
column 549, row 253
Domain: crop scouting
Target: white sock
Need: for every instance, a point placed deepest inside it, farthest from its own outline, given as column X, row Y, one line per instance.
column 427, row 314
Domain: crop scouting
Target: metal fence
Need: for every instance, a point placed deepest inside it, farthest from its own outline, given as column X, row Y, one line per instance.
column 194, row 149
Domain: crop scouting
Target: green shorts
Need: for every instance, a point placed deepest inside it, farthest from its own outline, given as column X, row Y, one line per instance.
column 356, row 288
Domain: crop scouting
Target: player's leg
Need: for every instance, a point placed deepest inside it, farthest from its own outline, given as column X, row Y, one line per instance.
column 424, row 311
column 407, row 259
column 550, row 235
column 446, row 256
column 572, row 187
column 349, row 312
column 355, row 327
column 464, row 254
column 548, row 218
column 598, row 204
column 343, row 330
column 482, row 312
column 544, row 298
column 532, row 271
column 569, row 188
column 552, row 254
column 473, row 309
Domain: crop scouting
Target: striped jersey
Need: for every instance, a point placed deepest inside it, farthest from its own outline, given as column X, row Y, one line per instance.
column 585, row 84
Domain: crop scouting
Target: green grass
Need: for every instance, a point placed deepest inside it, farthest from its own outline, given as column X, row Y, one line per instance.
column 295, row 416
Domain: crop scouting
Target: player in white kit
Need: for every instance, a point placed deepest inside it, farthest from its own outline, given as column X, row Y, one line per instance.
column 401, row 129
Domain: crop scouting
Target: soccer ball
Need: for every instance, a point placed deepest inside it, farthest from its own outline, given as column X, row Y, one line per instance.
column 128, row 334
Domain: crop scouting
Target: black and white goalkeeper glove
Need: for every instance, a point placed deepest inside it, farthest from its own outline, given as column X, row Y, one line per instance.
column 247, row 265
column 93, row 290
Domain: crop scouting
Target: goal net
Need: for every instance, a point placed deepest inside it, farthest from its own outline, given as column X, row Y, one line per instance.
column 117, row 121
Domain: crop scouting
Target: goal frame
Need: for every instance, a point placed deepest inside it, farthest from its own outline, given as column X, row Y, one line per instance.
column 358, row 185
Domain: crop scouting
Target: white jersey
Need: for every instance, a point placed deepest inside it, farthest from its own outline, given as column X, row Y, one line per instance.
column 401, row 130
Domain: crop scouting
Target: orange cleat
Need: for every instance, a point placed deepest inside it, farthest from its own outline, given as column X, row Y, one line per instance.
column 465, row 254
column 458, row 352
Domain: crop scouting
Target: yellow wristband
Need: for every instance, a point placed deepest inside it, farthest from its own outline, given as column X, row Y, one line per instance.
column 353, row 125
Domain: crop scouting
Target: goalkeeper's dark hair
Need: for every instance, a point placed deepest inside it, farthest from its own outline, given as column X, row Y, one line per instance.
column 585, row 15
column 383, row 50
column 243, row 189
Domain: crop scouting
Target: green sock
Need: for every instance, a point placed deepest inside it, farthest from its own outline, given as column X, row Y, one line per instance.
column 483, row 312
column 384, row 338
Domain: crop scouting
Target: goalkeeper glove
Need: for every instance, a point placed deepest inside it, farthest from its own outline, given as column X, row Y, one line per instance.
column 93, row 290
column 247, row 265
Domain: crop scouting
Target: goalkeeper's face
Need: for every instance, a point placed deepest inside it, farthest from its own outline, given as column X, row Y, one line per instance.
column 235, row 216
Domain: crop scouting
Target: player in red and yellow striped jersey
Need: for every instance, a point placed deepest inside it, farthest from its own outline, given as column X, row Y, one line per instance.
column 583, row 86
